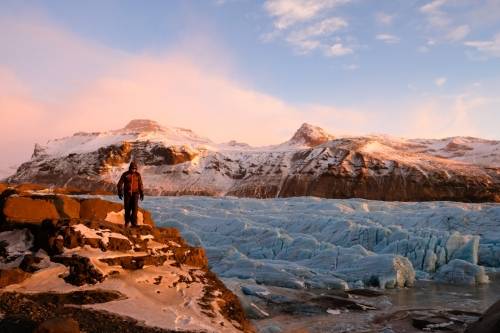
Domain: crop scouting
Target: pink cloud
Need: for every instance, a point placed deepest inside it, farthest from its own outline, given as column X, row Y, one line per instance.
column 21, row 115
column 80, row 87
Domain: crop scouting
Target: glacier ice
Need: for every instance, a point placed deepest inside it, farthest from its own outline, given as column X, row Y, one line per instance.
column 308, row 242
column 459, row 271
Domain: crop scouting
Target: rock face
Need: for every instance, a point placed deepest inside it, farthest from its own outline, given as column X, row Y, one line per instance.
column 11, row 276
column 35, row 208
column 310, row 136
column 312, row 163
column 28, row 209
column 78, row 249
column 489, row 321
column 59, row 325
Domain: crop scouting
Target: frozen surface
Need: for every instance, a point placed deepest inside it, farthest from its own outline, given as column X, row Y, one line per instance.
column 327, row 243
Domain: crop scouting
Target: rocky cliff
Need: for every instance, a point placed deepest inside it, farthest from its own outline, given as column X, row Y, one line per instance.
column 70, row 262
column 176, row 161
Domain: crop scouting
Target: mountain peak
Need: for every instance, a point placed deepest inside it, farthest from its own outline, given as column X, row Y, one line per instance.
column 310, row 135
column 143, row 125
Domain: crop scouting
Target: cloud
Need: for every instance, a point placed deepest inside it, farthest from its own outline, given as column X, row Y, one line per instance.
column 388, row 38
column 306, row 25
column 351, row 67
column 423, row 49
column 305, row 39
column 384, row 18
column 289, row 12
column 443, row 24
column 444, row 116
column 22, row 117
column 458, row 33
column 321, row 28
column 338, row 50
column 44, row 56
column 304, row 46
column 440, row 81
column 487, row 48
column 435, row 15
column 173, row 88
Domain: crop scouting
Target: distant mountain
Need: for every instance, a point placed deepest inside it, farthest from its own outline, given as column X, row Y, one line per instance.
column 176, row 161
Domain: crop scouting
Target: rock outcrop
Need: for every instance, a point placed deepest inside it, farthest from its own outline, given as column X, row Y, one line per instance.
column 27, row 207
column 489, row 321
column 64, row 257
column 176, row 161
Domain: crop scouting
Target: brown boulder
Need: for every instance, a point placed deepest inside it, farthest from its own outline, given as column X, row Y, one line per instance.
column 98, row 209
column 29, row 209
column 146, row 217
column 29, row 187
column 29, row 263
column 3, row 187
column 58, row 325
column 12, row 276
column 67, row 206
column 118, row 244
column 81, row 270
column 165, row 234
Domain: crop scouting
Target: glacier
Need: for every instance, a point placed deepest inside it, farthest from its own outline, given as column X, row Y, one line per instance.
column 308, row 242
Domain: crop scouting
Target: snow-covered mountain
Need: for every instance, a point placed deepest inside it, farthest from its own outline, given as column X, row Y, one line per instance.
column 177, row 161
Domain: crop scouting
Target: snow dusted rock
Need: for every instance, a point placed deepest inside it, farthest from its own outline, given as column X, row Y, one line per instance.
column 312, row 163
column 160, row 283
column 383, row 271
column 310, row 136
column 459, row 271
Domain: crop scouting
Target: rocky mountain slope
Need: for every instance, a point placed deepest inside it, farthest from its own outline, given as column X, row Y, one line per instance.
column 67, row 262
column 176, row 161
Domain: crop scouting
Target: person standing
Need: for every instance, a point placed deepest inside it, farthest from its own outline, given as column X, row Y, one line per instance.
column 130, row 190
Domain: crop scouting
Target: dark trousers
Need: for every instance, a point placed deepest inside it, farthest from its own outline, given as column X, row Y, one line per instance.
column 131, row 204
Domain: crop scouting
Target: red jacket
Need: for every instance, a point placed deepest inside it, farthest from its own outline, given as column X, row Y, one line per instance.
column 130, row 182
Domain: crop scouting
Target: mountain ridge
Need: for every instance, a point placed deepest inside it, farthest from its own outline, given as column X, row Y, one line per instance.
column 313, row 162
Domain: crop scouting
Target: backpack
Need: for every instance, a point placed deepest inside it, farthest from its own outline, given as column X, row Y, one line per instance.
column 133, row 180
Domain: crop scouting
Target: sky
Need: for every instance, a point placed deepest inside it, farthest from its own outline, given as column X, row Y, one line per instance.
column 248, row 70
